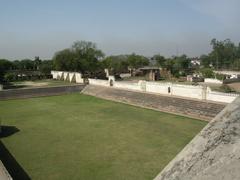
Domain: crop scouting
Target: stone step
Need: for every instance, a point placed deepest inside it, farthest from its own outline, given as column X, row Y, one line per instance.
column 188, row 107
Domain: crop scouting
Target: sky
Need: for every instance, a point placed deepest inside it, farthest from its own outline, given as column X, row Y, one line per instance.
column 30, row 28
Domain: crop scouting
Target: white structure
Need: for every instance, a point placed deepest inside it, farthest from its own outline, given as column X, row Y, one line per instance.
column 68, row 76
column 1, row 87
column 107, row 72
column 211, row 80
column 229, row 74
column 196, row 61
column 125, row 75
column 98, row 82
column 54, row 74
column 72, row 77
column 78, row 77
column 171, row 89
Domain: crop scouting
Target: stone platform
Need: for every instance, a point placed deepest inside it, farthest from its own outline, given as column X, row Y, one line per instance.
column 204, row 110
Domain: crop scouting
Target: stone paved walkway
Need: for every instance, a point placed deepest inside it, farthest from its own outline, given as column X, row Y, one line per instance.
column 188, row 107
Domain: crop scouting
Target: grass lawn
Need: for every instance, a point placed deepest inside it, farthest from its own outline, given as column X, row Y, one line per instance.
column 82, row 137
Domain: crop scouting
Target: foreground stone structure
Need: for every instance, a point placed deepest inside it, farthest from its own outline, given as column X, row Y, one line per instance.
column 214, row 154
column 4, row 175
column 187, row 107
column 38, row 92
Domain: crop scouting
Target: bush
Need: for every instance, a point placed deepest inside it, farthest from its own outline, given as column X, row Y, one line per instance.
column 9, row 77
column 207, row 73
column 220, row 77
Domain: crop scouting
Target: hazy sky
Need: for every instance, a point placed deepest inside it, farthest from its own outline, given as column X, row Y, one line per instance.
column 31, row 28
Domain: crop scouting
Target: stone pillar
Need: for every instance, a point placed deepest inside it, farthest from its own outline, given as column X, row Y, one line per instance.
column 107, row 72
column 111, row 80
column 142, row 85
column 204, row 92
column 1, row 87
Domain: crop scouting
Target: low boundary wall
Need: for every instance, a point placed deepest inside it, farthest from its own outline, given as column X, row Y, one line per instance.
column 171, row 89
column 168, row 88
column 36, row 92
column 99, row 82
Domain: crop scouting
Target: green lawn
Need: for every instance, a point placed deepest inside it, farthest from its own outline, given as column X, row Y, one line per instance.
column 82, row 137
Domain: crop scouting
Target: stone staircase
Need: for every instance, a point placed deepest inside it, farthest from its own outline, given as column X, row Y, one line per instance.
column 204, row 110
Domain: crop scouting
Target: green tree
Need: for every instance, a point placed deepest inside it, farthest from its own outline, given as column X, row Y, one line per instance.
column 160, row 60
column 207, row 72
column 82, row 56
column 5, row 65
column 46, row 66
column 205, row 61
column 137, row 61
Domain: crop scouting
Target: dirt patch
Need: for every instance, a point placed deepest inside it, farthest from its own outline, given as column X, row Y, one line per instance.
column 235, row 86
column 34, row 84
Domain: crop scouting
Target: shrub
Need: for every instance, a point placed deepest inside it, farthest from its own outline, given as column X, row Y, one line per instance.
column 8, row 77
column 207, row 73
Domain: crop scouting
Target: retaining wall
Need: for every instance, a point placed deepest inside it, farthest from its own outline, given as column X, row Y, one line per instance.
column 99, row 82
column 211, row 80
column 130, row 86
column 188, row 91
column 35, row 92
column 222, row 97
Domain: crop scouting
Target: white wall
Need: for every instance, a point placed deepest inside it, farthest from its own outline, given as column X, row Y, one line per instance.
column 161, row 88
column 60, row 75
column 126, row 85
column 79, row 78
column 211, row 80
column 197, row 92
column 99, row 82
column 187, row 91
column 220, row 97
column 66, row 76
column 54, row 74
column 72, row 77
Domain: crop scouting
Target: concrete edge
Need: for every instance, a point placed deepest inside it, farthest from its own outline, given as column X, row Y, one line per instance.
column 4, row 175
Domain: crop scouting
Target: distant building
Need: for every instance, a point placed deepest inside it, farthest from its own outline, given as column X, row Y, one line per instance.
column 229, row 74
column 195, row 61
column 152, row 73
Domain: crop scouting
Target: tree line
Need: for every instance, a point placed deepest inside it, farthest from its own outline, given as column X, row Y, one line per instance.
column 12, row 70
column 85, row 57
column 224, row 55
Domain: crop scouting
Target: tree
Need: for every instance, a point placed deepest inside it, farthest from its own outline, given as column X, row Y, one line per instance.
column 5, row 65
column 205, row 61
column 37, row 63
column 207, row 72
column 223, row 53
column 82, row 56
column 136, row 61
column 116, row 64
column 26, row 64
column 46, row 67
column 160, row 60
column 65, row 60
